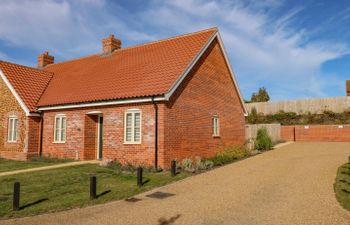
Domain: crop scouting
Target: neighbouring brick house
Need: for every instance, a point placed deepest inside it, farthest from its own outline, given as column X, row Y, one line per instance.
column 147, row 104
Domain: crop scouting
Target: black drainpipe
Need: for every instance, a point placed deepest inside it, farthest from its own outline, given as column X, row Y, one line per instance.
column 155, row 134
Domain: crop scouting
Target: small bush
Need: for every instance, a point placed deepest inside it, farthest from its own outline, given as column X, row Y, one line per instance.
column 291, row 118
column 263, row 141
column 187, row 165
column 115, row 165
column 229, row 154
column 203, row 164
column 253, row 116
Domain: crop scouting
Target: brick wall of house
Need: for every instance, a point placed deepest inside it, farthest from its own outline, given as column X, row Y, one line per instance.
column 10, row 107
column 316, row 133
column 81, row 139
column 33, row 124
column 207, row 91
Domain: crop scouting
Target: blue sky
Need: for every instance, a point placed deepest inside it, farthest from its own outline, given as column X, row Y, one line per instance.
column 296, row 49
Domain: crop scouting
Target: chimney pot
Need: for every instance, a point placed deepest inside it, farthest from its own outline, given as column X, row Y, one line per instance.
column 45, row 59
column 348, row 88
column 110, row 44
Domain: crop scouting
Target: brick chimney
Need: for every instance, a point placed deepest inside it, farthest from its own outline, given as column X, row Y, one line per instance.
column 348, row 88
column 110, row 43
column 45, row 59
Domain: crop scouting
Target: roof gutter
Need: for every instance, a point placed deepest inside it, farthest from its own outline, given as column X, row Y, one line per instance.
column 105, row 103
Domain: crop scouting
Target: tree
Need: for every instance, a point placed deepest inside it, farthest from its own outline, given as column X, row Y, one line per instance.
column 260, row 96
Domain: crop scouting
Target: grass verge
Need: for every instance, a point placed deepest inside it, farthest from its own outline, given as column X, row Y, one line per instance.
column 342, row 186
column 66, row 188
column 11, row 165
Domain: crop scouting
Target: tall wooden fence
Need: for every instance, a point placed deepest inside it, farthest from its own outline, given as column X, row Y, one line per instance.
column 312, row 105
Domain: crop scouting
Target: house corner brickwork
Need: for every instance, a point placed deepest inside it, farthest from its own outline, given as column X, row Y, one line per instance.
column 207, row 91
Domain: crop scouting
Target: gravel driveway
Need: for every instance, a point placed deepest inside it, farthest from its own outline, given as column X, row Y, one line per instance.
column 290, row 185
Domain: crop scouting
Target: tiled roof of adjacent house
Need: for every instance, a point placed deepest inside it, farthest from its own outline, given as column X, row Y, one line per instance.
column 145, row 70
column 29, row 83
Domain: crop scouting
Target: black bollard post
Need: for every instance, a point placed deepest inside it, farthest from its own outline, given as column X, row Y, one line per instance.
column 92, row 187
column 16, row 192
column 173, row 168
column 139, row 176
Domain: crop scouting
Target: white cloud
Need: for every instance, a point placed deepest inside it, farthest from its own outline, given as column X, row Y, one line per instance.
column 66, row 28
column 265, row 49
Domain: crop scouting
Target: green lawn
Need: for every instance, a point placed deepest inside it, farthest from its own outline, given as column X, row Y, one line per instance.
column 342, row 186
column 65, row 188
column 10, row 165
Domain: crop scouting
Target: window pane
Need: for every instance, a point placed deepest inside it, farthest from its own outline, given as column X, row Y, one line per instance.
column 14, row 136
column 137, row 125
column 57, row 130
column 63, row 129
column 137, row 120
column 215, row 126
column 128, row 134
column 10, row 125
column 63, row 125
column 128, row 120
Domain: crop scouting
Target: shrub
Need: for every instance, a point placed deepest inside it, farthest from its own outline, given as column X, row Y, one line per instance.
column 203, row 164
column 187, row 165
column 229, row 154
column 253, row 116
column 263, row 141
column 291, row 118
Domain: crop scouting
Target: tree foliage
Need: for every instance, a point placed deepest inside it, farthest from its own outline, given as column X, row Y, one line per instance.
column 260, row 96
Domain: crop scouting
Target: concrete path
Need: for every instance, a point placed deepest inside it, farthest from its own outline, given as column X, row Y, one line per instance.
column 291, row 185
column 48, row 167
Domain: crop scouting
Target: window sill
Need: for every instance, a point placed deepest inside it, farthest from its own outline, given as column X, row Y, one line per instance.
column 59, row 142
column 132, row 143
column 216, row 136
column 12, row 142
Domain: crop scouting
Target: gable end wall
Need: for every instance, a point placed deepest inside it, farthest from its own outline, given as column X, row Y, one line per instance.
column 10, row 107
column 207, row 90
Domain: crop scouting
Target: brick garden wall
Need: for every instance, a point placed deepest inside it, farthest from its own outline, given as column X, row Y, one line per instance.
column 207, row 91
column 316, row 133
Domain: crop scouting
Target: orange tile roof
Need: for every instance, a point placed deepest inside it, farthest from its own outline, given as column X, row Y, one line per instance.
column 145, row 70
column 29, row 83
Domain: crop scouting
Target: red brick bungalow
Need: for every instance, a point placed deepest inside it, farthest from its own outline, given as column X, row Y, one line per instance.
column 146, row 104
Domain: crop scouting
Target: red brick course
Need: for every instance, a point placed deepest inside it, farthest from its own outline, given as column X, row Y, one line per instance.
column 207, row 91
column 316, row 133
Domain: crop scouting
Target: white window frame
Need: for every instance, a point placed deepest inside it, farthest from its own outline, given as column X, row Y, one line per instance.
column 60, row 140
column 216, row 126
column 12, row 134
column 132, row 112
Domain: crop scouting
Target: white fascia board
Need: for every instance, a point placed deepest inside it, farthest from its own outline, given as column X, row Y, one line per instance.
column 189, row 68
column 96, row 104
column 14, row 93
column 232, row 74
